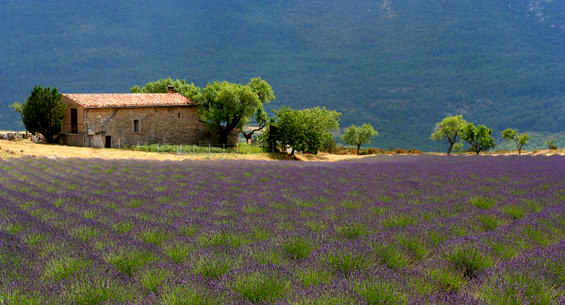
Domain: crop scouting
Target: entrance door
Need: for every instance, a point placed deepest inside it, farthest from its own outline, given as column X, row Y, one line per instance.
column 108, row 142
column 74, row 120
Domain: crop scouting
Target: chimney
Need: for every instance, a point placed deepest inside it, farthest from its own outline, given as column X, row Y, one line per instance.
column 171, row 89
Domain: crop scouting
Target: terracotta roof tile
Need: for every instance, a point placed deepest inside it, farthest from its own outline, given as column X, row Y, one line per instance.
column 122, row 100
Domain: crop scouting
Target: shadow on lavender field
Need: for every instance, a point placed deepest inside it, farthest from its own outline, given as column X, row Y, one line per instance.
column 385, row 229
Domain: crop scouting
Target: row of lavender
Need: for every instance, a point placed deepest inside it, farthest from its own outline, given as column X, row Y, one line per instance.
column 391, row 229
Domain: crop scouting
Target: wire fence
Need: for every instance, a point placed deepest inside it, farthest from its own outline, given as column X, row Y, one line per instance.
column 239, row 148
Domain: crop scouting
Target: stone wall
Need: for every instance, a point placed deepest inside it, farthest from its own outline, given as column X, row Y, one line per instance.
column 66, row 127
column 17, row 136
column 163, row 125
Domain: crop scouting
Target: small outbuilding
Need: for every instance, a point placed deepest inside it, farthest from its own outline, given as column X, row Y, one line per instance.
column 112, row 120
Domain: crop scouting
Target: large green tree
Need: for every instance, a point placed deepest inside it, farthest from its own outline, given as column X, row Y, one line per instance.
column 266, row 95
column 449, row 129
column 480, row 137
column 519, row 139
column 359, row 135
column 43, row 112
column 304, row 130
column 189, row 90
column 226, row 106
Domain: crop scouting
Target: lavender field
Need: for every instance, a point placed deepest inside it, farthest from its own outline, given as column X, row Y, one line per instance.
column 386, row 230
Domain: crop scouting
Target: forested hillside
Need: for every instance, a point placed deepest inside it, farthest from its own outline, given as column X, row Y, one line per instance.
column 401, row 65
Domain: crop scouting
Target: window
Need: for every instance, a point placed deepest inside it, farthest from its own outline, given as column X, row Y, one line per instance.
column 136, row 126
column 179, row 115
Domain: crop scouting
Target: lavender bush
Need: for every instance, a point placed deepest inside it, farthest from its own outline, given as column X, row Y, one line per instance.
column 389, row 229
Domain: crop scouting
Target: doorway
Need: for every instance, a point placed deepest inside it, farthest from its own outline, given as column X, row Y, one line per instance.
column 74, row 120
column 108, row 142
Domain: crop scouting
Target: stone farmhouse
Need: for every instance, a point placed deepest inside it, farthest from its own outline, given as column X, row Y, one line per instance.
column 113, row 120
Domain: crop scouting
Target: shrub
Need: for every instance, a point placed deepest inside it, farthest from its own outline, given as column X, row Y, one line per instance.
column 98, row 290
column 483, row 202
column 392, row 257
column 314, row 277
column 400, row 151
column 180, row 295
column 515, row 212
column 298, row 248
column 346, row 262
column 469, row 260
column 152, row 279
column 355, row 230
column 217, row 239
column 130, row 261
column 213, row 268
column 260, row 288
column 62, row 268
column 154, row 236
column 448, row 280
column 17, row 297
column 521, row 289
column 551, row 145
column 177, row 251
column 488, row 222
column 398, row 221
column 381, row 292
column 416, row 247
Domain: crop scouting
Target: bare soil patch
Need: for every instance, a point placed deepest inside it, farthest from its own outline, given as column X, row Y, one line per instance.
column 15, row 149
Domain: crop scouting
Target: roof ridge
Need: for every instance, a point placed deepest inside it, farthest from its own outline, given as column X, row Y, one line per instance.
column 120, row 100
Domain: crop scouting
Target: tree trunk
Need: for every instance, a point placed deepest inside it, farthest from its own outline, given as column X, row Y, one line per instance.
column 247, row 137
column 224, row 137
column 358, row 148
column 450, row 148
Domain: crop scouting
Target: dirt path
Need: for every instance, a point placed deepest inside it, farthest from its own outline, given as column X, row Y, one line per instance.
column 11, row 149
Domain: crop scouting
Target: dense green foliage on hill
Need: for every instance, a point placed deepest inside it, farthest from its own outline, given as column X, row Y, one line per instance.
column 401, row 65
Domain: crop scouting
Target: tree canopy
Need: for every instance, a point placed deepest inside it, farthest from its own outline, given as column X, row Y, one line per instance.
column 449, row 129
column 266, row 95
column 223, row 105
column 480, row 137
column 43, row 112
column 519, row 139
column 304, row 130
column 189, row 90
column 226, row 106
column 359, row 135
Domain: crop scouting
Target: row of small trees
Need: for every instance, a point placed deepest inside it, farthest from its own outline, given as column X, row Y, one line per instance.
column 226, row 106
column 479, row 137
